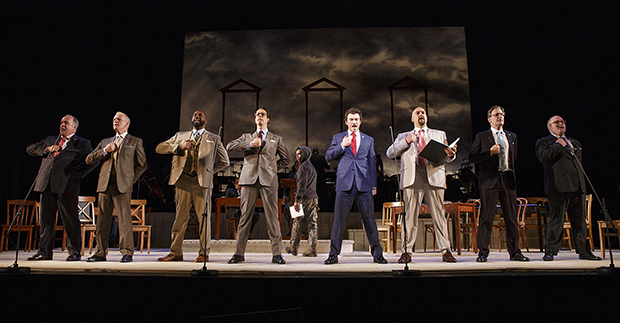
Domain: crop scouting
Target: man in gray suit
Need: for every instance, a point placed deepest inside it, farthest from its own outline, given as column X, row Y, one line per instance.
column 197, row 155
column 123, row 161
column 422, row 178
column 259, row 174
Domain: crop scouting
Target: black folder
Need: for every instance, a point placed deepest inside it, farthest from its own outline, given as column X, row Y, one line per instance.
column 434, row 150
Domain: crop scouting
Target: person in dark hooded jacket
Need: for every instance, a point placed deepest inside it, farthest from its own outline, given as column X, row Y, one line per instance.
column 306, row 198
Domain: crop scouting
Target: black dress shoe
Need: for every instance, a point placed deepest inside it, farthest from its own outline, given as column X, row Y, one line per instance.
column 278, row 260
column 95, row 258
column 127, row 258
column 75, row 257
column 519, row 257
column 331, row 260
column 37, row 256
column 236, row 259
column 379, row 260
column 589, row 256
column 481, row 258
column 548, row 257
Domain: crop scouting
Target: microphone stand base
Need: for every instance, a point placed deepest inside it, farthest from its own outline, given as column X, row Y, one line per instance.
column 204, row 272
column 406, row 273
column 608, row 270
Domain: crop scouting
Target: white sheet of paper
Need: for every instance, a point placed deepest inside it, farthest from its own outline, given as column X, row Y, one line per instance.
column 295, row 214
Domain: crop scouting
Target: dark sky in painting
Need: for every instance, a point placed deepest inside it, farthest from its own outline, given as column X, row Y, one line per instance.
column 363, row 60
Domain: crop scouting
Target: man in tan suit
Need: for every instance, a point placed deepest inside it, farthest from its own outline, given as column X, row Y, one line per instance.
column 123, row 161
column 259, row 174
column 422, row 178
column 197, row 155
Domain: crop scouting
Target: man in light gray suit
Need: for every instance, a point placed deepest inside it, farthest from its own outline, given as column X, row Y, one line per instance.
column 422, row 178
column 123, row 161
column 197, row 155
column 259, row 174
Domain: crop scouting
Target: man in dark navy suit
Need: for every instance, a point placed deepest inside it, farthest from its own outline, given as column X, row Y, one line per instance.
column 356, row 182
column 495, row 153
column 61, row 170
column 565, row 187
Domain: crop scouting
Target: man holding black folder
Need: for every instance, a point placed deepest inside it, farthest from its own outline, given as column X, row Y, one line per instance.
column 422, row 177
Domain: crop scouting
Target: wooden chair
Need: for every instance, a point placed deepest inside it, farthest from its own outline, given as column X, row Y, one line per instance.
column 390, row 224
column 430, row 228
column 521, row 223
column 501, row 226
column 602, row 234
column 467, row 227
column 567, row 228
column 57, row 227
column 532, row 220
column 138, row 219
column 27, row 222
column 87, row 214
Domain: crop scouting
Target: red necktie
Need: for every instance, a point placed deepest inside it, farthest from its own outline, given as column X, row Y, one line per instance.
column 354, row 144
column 421, row 144
column 260, row 136
column 62, row 142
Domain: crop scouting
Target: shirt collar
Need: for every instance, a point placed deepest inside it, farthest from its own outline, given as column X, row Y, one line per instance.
column 357, row 133
column 495, row 131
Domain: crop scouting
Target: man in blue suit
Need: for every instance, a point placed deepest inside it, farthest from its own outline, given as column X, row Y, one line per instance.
column 356, row 182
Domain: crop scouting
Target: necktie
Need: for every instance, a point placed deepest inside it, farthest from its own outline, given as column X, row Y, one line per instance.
column 502, row 155
column 421, row 145
column 354, row 144
column 570, row 144
column 117, row 142
column 60, row 144
column 260, row 136
column 196, row 136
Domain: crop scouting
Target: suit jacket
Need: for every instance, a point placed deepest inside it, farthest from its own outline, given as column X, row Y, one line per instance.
column 562, row 174
column 409, row 154
column 65, row 170
column 131, row 163
column 361, row 167
column 212, row 157
column 261, row 163
column 487, row 164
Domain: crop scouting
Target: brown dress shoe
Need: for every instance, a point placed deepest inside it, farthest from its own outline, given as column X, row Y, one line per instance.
column 170, row 257
column 448, row 257
column 202, row 258
column 405, row 257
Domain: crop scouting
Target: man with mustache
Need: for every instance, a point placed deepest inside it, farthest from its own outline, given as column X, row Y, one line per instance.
column 197, row 155
column 356, row 183
column 565, row 187
column 58, row 180
column 265, row 154
column 422, row 178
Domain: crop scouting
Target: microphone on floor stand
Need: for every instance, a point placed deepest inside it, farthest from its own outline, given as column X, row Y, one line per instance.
column 14, row 268
column 204, row 272
column 405, row 272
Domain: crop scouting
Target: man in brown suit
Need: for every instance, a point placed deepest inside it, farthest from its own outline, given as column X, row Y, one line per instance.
column 197, row 155
column 123, row 161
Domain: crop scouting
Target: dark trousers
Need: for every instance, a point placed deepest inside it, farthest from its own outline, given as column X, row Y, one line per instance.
column 342, row 208
column 572, row 204
column 508, row 199
column 66, row 205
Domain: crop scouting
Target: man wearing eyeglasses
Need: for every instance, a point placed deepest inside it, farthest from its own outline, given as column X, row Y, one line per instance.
column 565, row 187
column 494, row 152
column 265, row 154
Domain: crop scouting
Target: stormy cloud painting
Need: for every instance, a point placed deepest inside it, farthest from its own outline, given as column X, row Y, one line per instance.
column 270, row 68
